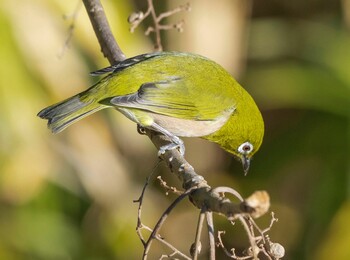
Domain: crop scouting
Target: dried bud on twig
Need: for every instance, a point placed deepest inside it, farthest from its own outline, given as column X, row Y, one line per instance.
column 277, row 250
column 135, row 17
column 256, row 204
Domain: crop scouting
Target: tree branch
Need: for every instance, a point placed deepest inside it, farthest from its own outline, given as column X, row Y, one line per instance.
column 109, row 46
column 197, row 245
column 204, row 195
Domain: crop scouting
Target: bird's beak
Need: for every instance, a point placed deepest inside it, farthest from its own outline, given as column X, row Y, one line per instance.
column 246, row 164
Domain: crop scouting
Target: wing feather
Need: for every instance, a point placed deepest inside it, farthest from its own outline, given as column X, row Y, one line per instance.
column 171, row 97
column 125, row 63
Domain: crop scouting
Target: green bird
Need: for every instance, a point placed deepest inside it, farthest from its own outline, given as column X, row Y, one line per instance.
column 176, row 94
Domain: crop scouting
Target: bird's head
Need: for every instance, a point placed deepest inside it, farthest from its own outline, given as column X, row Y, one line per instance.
column 245, row 153
column 243, row 136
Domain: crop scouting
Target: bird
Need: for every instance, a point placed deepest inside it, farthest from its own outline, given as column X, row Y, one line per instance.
column 177, row 94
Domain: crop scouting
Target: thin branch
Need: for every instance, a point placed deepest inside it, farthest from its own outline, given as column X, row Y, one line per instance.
column 164, row 242
column 254, row 247
column 210, row 224
column 139, row 212
column 162, row 220
column 231, row 254
column 73, row 18
column 140, row 201
column 273, row 220
column 109, row 46
column 229, row 190
column 180, row 8
column 141, row 226
column 197, row 246
column 136, row 18
column 168, row 188
column 158, row 45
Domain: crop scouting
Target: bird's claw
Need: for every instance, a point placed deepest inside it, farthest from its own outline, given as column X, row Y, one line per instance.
column 176, row 144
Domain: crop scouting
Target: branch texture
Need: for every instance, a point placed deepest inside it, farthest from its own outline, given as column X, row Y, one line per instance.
column 109, row 46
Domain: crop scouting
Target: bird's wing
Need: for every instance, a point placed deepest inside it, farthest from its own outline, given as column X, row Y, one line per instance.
column 126, row 63
column 173, row 97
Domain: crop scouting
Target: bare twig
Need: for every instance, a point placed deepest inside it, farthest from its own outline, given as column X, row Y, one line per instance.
column 164, row 242
column 135, row 19
column 180, row 8
column 168, row 188
column 273, row 220
column 158, row 45
column 228, row 190
column 139, row 212
column 231, row 254
column 258, row 244
column 73, row 18
column 254, row 248
column 210, row 224
column 141, row 226
column 197, row 246
column 162, row 220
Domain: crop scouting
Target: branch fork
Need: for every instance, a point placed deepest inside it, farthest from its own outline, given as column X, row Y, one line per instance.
column 136, row 18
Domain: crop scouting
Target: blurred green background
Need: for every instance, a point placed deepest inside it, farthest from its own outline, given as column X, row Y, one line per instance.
column 69, row 196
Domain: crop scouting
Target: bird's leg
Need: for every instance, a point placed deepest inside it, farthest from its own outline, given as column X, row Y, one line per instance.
column 176, row 141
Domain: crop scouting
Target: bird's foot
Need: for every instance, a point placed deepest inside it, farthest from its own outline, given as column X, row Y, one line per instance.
column 177, row 143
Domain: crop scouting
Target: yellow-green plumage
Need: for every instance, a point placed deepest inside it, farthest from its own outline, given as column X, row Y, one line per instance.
column 179, row 93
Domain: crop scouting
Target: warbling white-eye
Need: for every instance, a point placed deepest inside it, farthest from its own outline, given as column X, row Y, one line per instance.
column 176, row 94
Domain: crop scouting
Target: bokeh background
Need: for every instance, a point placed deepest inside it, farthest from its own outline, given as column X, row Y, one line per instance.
column 70, row 196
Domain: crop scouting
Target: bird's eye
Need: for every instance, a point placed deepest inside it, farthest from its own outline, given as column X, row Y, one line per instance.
column 245, row 148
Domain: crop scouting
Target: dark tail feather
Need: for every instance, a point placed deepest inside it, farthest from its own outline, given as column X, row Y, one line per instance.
column 65, row 113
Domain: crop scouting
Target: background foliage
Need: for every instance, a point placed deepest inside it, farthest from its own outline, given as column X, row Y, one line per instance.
column 69, row 196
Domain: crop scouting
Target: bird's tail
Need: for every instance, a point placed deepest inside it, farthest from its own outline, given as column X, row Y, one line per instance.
column 65, row 113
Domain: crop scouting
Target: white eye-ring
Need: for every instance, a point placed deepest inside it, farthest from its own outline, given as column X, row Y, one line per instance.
column 245, row 148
